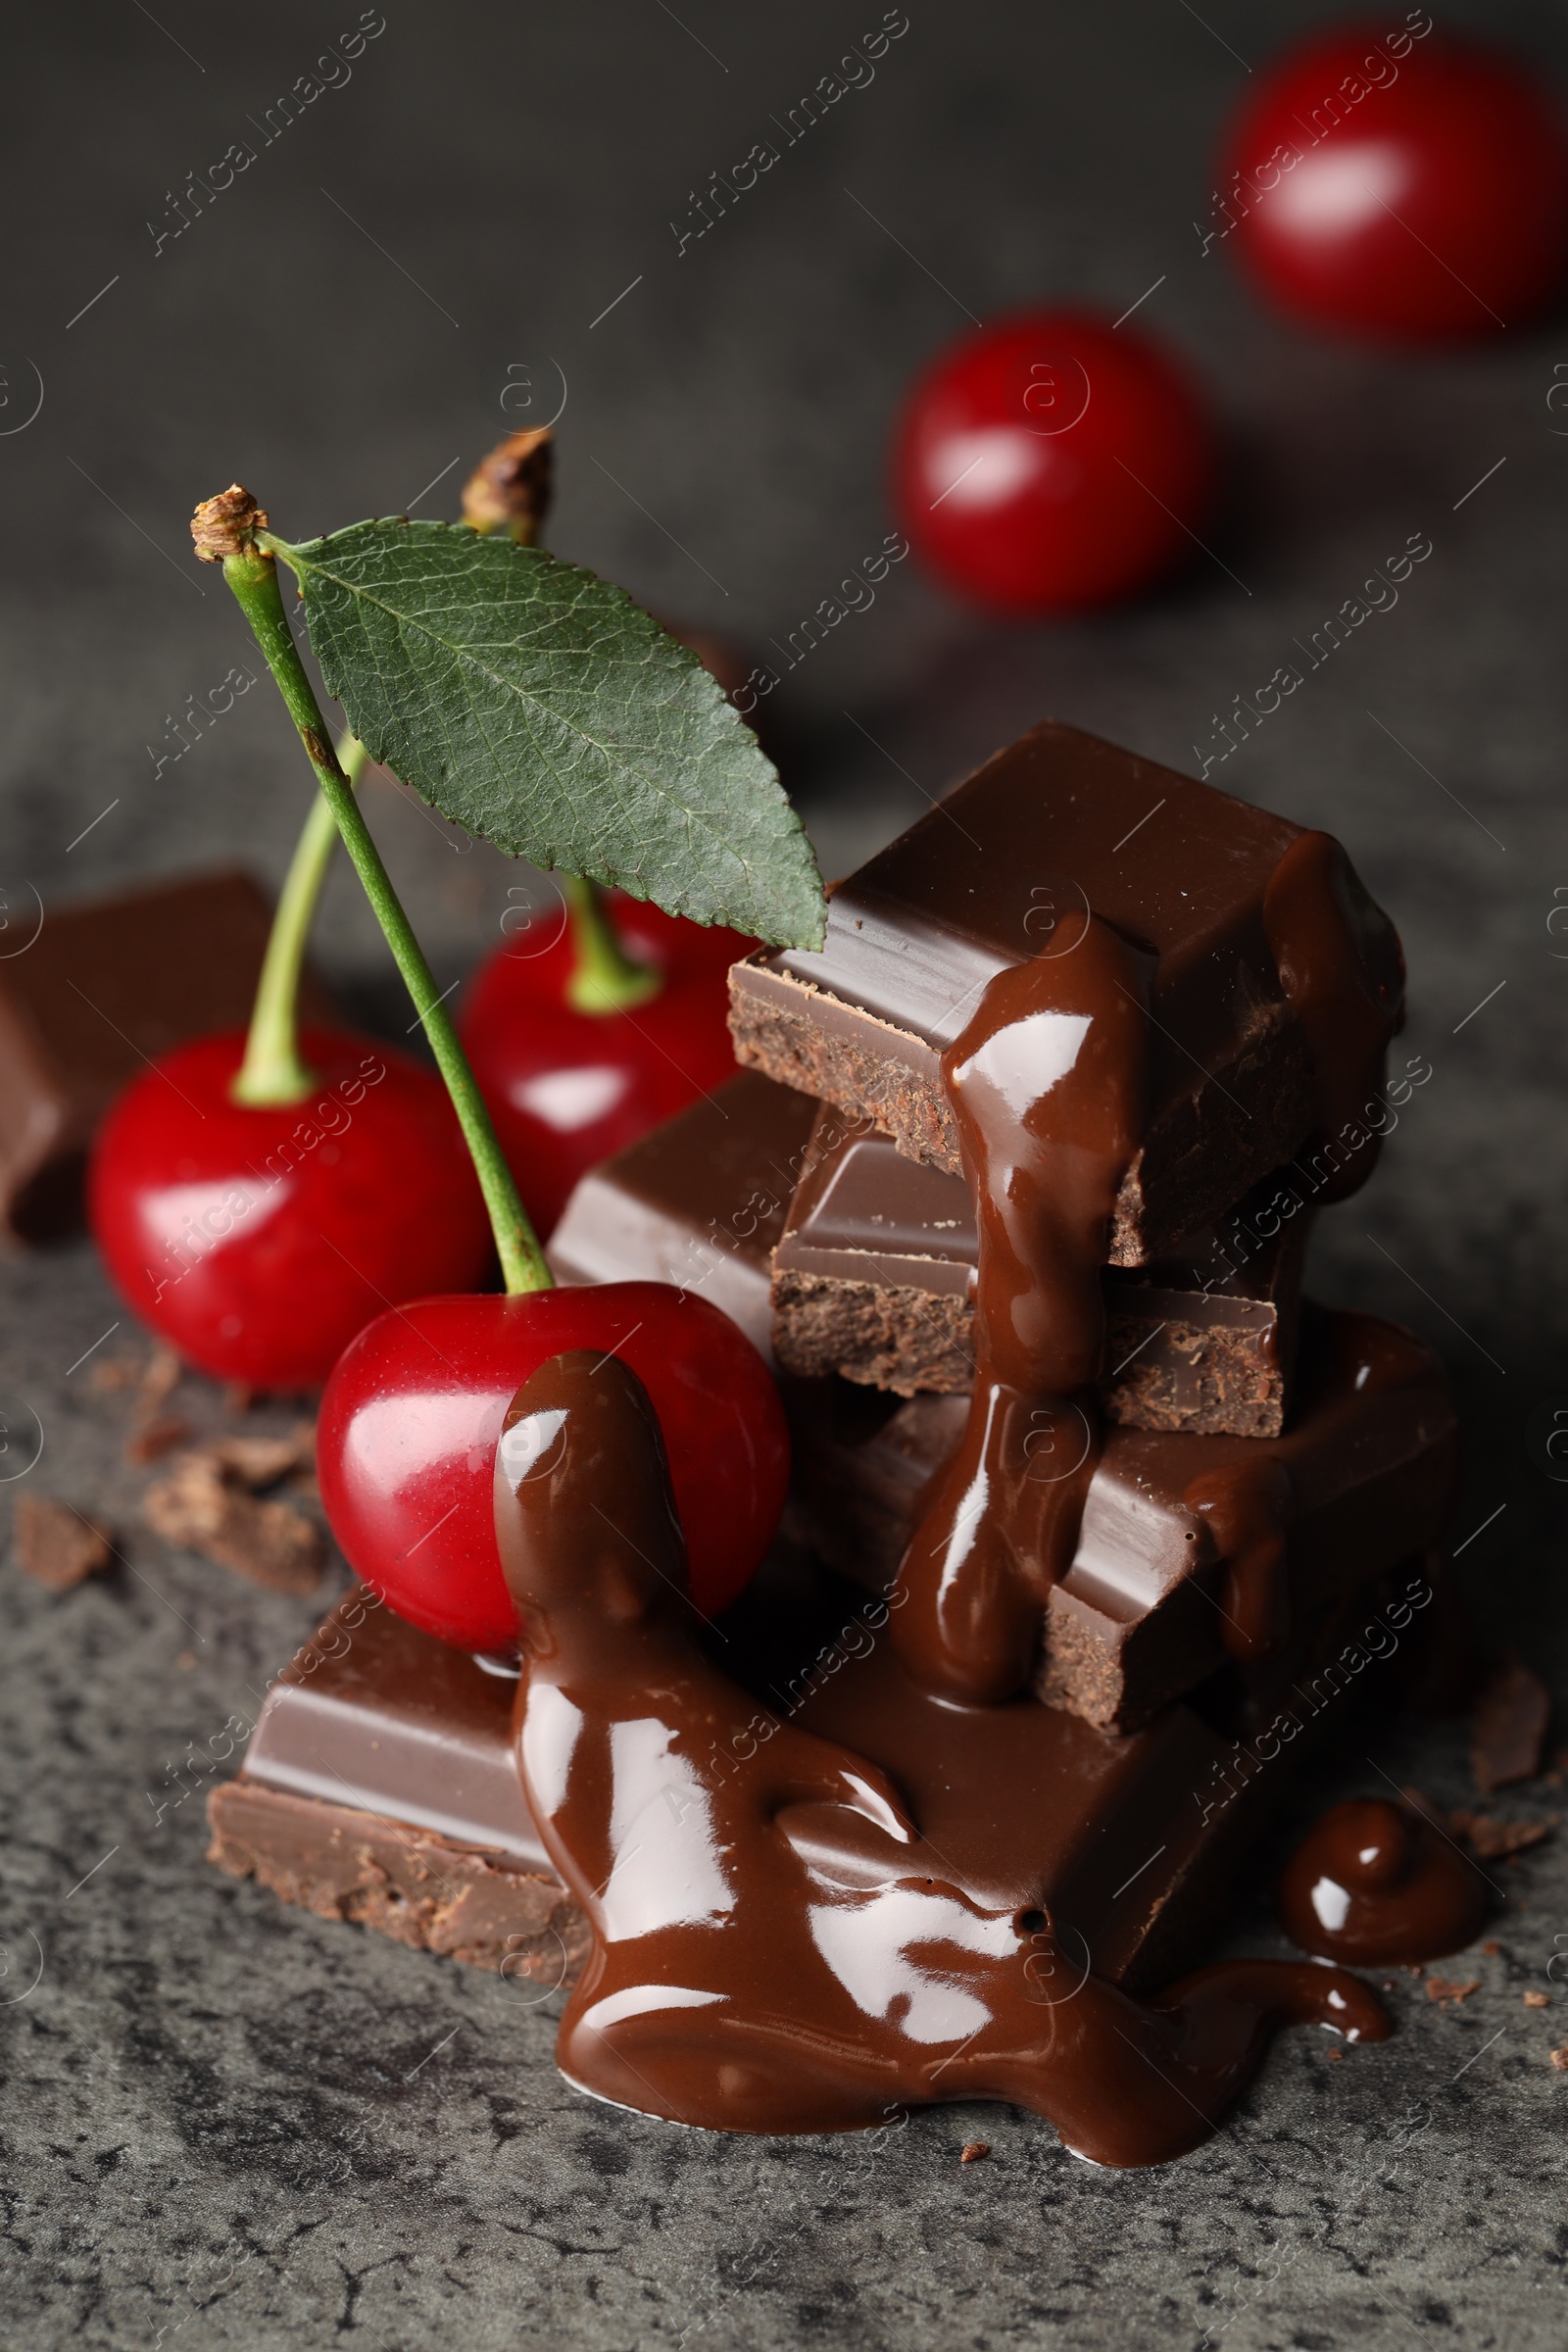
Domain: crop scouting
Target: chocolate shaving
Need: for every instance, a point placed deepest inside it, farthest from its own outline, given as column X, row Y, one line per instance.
column 1488, row 1838
column 155, row 1439
column 1494, row 1841
column 974, row 2151
column 1446, row 1989
column 1537, row 2000
column 56, row 1546
column 200, row 1509
column 1508, row 1730
column 1559, row 2059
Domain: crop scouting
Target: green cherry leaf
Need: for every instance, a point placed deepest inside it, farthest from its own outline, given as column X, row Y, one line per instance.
column 537, row 706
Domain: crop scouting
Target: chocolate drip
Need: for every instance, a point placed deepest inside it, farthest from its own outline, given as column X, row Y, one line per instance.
column 1373, row 1880
column 777, row 1948
column 1341, row 968
column 1249, row 1509
column 1047, row 1085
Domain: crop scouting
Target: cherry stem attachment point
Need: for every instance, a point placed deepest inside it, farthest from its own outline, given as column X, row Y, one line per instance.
column 252, row 574
column 603, row 979
column 273, row 1069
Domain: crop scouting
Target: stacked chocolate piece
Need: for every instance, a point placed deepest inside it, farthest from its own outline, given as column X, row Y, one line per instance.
column 821, row 1200
column 1249, row 1486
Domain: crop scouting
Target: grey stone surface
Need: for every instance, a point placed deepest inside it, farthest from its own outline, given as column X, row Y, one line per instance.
column 233, row 2124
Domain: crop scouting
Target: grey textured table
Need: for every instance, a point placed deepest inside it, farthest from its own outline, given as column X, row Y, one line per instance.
column 235, row 2124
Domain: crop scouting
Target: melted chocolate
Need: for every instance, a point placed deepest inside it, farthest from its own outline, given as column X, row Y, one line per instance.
column 1249, row 1508
column 1049, row 1088
column 777, row 1948
column 1375, row 1882
column 1343, row 971
column 1046, row 1084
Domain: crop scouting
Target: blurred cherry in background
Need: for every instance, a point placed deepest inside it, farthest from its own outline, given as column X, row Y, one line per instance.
column 1397, row 185
column 1052, row 461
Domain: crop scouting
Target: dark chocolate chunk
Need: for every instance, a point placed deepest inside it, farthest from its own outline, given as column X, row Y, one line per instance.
column 699, row 1202
column 1007, row 868
column 104, row 988
column 1147, row 1610
column 1509, row 1728
column 874, row 1278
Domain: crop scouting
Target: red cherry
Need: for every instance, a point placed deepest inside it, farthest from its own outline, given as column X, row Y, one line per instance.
column 1421, row 196
column 1051, row 460
column 258, row 1240
column 412, row 1415
column 566, row 1089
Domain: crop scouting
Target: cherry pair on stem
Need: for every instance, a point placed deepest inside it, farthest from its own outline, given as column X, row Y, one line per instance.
column 238, row 1190
column 413, row 1409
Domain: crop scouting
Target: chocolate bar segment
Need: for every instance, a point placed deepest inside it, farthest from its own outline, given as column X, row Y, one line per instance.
column 1147, row 1611
column 699, row 1202
column 382, row 1786
column 1009, row 868
column 874, row 1278
column 101, row 989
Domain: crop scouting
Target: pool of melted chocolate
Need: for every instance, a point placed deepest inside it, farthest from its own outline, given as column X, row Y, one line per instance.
column 1373, row 1881
column 777, row 1945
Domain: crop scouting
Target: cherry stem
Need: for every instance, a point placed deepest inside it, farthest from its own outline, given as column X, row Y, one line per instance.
column 273, row 1069
column 604, row 977
column 252, row 574
column 511, row 492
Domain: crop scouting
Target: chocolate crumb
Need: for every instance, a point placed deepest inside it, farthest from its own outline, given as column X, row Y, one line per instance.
column 1336, row 2053
column 160, row 1379
column 1491, row 1950
column 186, row 1661
column 56, row 1546
column 1448, row 1988
column 238, row 1398
column 155, row 1439
column 114, row 1372
column 1508, row 1730
column 975, row 2149
column 1537, row 2000
column 199, row 1508
column 1559, row 2059
column 263, row 1461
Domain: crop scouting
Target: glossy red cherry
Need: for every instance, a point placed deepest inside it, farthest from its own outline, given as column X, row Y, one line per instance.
column 258, row 1240
column 565, row 1089
column 412, row 1414
column 1052, row 461
column 1396, row 186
